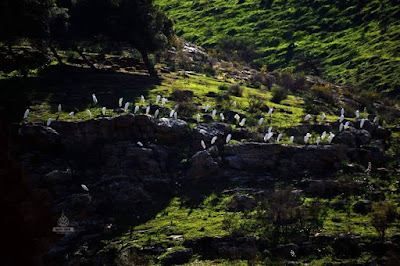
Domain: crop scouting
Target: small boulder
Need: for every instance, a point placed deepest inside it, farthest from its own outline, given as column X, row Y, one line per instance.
column 202, row 165
column 241, row 203
column 178, row 257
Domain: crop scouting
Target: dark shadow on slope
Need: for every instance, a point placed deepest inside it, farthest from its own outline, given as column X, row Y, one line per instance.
column 72, row 87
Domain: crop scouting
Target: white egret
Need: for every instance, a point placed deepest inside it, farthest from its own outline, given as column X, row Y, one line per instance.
column 207, row 107
column 331, row 136
column 214, row 112
column 237, row 117
column 318, row 140
column 103, row 111
column 198, row 118
column 228, row 138
column 84, row 187
column 59, row 108
column 234, row 104
column 26, row 113
column 362, row 123
column 279, row 137
column 171, row 114
column 139, row 143
column 346, row 125
column 323, row 116
column 142, row 98
column 94, row 98
column 120, row 101
column 203, row 144
column 260, row 121
column 222, row 117
column 163, row 101
column 156, row 113
column 341, row 118
column 242, row 122
column 357, row 113
column 71, row 114
column 307, row 117
column 126, row 107
column 375, row 120
column 89, row 113
column 136, row 109
column 148, row 110
column 270, row 111
column 268, row 136
column 341, row 127
column 342, row 111
column 176, row 107
column 158, row 98
column 49, row 121
column 213, row 140
column 176, row 115
column 269, row 129
column 323, row 135
column 307, row 137
column 291, row 139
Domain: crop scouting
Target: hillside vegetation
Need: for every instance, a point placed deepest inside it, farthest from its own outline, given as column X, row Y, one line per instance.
column 353, row 43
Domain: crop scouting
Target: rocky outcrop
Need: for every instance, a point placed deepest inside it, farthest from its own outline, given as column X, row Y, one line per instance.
column 180, row 256
column 207, row 131
column 134, row 181
column 125, row 127
column 224, row 247
column 241, row 203
column 202, row 165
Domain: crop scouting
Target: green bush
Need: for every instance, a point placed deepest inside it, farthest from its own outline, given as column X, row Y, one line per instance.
column 278, row 94
column 187, row 110
column 324, row 92
column 255, row 103
column 236, row 90
column 383, row 215
column 223, row 87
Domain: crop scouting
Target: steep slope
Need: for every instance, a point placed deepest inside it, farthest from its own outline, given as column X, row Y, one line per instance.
column 352, row 42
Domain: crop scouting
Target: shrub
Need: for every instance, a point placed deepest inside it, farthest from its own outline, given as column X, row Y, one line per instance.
column 181, row 95
column 187, row 110
column 264, row 79
column 310, row 107
column 209, row 71
column 236, row 90
column 324, row 92
column 223, row 87
column 222, row 97
column 293, row 82
column 278, row 94
column 255, row 103
column 237, row 49
column 383, row 215
column 72, row 56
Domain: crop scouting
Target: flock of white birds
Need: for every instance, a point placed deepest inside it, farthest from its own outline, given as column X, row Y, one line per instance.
column 240, row 121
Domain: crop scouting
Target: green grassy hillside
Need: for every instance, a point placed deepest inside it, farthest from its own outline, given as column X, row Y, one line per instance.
column 350, row 42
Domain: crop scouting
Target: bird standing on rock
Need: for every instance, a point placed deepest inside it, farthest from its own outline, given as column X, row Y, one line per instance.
column 26, row 113
column 228, row 138
column 126, row 107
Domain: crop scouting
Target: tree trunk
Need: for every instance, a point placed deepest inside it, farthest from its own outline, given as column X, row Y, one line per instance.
column 79, row 51
column 148, row 64
column 54, row 51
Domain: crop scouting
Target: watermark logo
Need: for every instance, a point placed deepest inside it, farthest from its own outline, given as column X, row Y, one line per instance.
column 62, row 227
